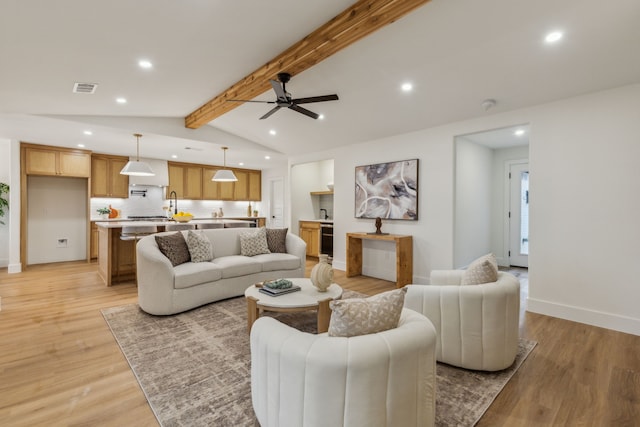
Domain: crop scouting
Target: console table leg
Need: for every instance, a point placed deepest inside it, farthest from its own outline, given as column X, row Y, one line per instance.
column 354, row 256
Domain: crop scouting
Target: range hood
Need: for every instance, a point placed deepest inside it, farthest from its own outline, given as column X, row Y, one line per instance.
column 161, row 170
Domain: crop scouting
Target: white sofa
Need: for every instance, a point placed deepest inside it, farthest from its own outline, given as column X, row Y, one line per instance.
column 164, row 289
column 382, row 379
column 477, row 325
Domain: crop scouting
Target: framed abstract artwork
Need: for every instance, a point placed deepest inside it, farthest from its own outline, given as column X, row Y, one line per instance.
column 387, row 190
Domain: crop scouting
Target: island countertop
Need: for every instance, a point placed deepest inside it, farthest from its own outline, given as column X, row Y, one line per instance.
column 159, row 223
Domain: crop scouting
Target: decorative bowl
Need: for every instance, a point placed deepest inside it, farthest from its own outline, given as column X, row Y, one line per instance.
column 183, row 218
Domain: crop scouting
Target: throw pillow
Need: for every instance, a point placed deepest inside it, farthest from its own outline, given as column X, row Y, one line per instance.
column 362, row 316
column 276, row 238
column 254, row 242
column 482, row 270
column 174, row 247
column 199, row 247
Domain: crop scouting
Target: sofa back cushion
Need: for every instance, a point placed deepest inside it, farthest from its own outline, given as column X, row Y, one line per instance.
column 225, row 241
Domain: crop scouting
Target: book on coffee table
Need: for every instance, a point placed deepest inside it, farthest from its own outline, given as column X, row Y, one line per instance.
column 278, row 292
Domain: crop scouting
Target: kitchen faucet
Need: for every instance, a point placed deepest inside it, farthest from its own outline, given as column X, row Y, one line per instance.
column 326, row 216
column 171, row 205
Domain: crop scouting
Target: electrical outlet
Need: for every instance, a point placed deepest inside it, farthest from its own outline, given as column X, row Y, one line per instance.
column 62, row 242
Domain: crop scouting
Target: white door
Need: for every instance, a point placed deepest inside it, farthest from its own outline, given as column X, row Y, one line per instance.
column 276, row 203
column 519, row 215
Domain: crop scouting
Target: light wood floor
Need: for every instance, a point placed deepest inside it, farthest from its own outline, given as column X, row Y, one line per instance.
column 60, row 365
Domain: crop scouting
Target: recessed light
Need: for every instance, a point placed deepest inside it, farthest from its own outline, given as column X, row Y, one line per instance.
column 553, row 37
column 241, row 164
column 121, row 100
column 321, row 117
column 88, row 132
column 174, row 156
column 146, row 64
column 81, row 145
column 267, row 157
column 519, row 132
column 272, row 132
column 406, row 87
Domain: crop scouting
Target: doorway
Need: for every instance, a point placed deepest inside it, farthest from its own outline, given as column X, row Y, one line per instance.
column 276, row 203
column 519, row 214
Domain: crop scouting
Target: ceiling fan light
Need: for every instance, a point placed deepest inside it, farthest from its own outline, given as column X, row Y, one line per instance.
column 137, row 168
column 224, row 175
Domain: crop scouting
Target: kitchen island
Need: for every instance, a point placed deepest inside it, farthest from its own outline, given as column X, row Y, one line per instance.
column 116, row 257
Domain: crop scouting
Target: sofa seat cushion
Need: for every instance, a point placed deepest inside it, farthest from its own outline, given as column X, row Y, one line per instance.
column 195, row 273
column 237, row 265
column 277, row 261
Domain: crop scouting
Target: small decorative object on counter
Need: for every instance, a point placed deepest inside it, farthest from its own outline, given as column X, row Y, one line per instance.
column 214, row 214
column 220, row 213
column 255, row 214
column 114, row 213
column 322, row 274
column 249, row 210
column 104, row 212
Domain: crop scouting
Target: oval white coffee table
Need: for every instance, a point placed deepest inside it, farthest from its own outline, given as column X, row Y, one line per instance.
column 306, row 299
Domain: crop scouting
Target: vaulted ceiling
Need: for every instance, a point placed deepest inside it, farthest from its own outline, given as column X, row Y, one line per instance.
column 456, row 53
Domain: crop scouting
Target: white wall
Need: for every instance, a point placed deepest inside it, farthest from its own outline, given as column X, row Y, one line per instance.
column 473, row 196
column 5, row 175
column 584, row 209
column 583, row 158
column 57, row 208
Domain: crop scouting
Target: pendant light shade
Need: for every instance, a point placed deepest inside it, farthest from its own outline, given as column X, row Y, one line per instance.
column 224, row 175
column 136, row 167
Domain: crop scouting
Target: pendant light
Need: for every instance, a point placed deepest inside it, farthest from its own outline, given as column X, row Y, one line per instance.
column 224, row 175
column 136, row 167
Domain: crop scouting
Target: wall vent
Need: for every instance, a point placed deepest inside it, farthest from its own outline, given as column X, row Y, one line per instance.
column 85, row 88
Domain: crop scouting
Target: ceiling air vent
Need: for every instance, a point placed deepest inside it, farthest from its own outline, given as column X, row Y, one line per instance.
column 85, row 88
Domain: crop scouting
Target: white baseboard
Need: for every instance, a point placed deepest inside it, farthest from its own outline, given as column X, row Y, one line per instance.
column 581, row 315
column 15, row 268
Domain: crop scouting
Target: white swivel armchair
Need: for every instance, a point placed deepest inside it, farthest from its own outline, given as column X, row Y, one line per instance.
column 382, row 379
column 477, row 326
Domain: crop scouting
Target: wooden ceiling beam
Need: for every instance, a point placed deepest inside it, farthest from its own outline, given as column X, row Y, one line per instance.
column 352, row 24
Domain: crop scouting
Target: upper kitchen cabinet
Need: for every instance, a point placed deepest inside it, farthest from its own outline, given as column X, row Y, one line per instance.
column 55, row 161
column 249, row 185
column 186, row 180
column 106, row 180
column 212, row 190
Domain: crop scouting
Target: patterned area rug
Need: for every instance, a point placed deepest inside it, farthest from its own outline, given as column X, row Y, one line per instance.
column 194, row 367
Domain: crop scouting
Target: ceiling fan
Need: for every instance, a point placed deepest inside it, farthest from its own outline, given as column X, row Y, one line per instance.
column 284, row 99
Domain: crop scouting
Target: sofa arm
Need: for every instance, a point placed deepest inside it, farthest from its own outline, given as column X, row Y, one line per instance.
column 446, row 277
column 296, row 246
column 155, row 276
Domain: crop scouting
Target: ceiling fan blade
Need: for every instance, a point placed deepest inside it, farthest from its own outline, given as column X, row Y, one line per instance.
column 270, row 112
column 315, row 99
column 304, row 111
column 246, row 100
column 280, row 93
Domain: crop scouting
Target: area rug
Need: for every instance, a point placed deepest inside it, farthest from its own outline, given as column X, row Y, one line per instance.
column 194, row 367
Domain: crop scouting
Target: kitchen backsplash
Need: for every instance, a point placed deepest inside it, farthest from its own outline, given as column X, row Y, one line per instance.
column 326, row 202
column 153, row 200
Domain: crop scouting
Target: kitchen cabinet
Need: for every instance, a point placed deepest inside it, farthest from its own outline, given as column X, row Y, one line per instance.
column 212, row 190
column 53, row 161
column 93, row 241
column 192, row 181
column 186, row 180
column 106, row 180
column 310, row 233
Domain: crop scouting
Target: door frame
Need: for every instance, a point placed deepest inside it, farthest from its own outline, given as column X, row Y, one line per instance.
column 507, row 206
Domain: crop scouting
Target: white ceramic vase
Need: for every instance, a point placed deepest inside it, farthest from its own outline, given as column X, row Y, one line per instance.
column 322, row 274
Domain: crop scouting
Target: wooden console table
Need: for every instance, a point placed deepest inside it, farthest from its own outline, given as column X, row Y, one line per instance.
column 404, row 255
